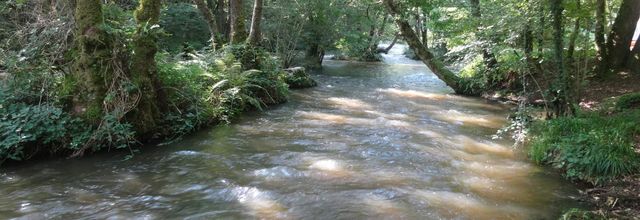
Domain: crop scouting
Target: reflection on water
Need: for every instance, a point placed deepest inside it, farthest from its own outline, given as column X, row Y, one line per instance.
column 372, row 141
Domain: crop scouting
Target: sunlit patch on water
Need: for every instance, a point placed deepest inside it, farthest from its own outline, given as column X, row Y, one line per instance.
column 413, row 94
column 348, row 104
column 259, row 203
column 383, row 208
column 476, row 120
column 452, row 205
column 278, row 173
column 475, row 147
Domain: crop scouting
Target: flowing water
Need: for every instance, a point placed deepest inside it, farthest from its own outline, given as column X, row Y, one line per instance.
column 373, row 141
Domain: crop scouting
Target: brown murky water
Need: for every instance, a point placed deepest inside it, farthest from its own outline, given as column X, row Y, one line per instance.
column 373, row 141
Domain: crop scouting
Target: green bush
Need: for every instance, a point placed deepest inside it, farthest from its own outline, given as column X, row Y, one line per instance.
column 591, row 147
column 298, row 78
column 574, row 214
column 183, row 24
column 216, row 88
column 628, row 101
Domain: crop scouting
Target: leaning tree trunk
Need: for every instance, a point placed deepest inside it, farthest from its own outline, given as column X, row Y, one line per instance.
column 208, row 17
column 393, row 42
column 254, row 33
column 90, row 65
column 621, row 35
column 144, row 70
column 421, row 51
column 236, row 17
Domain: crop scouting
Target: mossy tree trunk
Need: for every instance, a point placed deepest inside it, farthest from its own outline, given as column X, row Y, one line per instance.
column 211, row 21
column 561, row 89
column 222, row 18
column 91, row 65
column 236, row 17
column 255, row 31
column 421, row 51
column 144, row 72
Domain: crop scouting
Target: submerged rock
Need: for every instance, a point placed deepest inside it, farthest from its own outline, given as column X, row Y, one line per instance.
column 298, row 78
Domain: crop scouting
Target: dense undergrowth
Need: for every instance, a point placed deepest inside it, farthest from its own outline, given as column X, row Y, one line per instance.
column 595, row 147
column 203, row 88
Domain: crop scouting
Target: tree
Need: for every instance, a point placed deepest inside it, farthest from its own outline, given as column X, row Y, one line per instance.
column 421, row 51
column 633, row 63
column 599, row 32
column 489, row 58
column 619, row 40
column 561, row 102
column 222, row 18
column 574, row 36
column 237, row 33
column 254, row 33
column 90, row 68
column 144, row 70
column 211, row 22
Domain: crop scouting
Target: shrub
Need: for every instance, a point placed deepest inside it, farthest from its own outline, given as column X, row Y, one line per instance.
column 591, row 147
column 628, row 101
column 184, row 24
column 298, row 78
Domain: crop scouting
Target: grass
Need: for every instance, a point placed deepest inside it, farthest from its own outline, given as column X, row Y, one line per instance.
column 591, row 147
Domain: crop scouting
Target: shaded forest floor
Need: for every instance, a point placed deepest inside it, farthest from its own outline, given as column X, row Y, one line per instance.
column 619, row 198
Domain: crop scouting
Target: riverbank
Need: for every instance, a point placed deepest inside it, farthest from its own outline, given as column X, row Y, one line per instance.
column 201, row 90
column 599, row 149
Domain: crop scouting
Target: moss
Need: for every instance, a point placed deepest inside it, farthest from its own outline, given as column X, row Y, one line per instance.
column 148, row 11
column 93, row 113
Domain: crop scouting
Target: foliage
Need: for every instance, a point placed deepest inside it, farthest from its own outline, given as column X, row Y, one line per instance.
column 298, row 78
column 578, row 214
column 29, row 129
column 628, row 101
column 591, row 147
column 216, row 88
column 184, row 25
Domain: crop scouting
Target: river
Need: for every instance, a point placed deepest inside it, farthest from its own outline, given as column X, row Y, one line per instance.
column 372, row 141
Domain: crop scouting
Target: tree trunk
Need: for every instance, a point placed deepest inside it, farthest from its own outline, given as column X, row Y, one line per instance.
column 254, row 33
column 621, row 35
column 633, row 63
column 314, row 56
column 561, row 102
column 208, row 17
column 489, row 58
column 599, row 32
column 425, row 32
column 541, row 31
column 388, row 48
column 90, row 68
column 572, row 39
column 144, row 70
column 425, row 55
column 221, row 19
column 238, row 33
